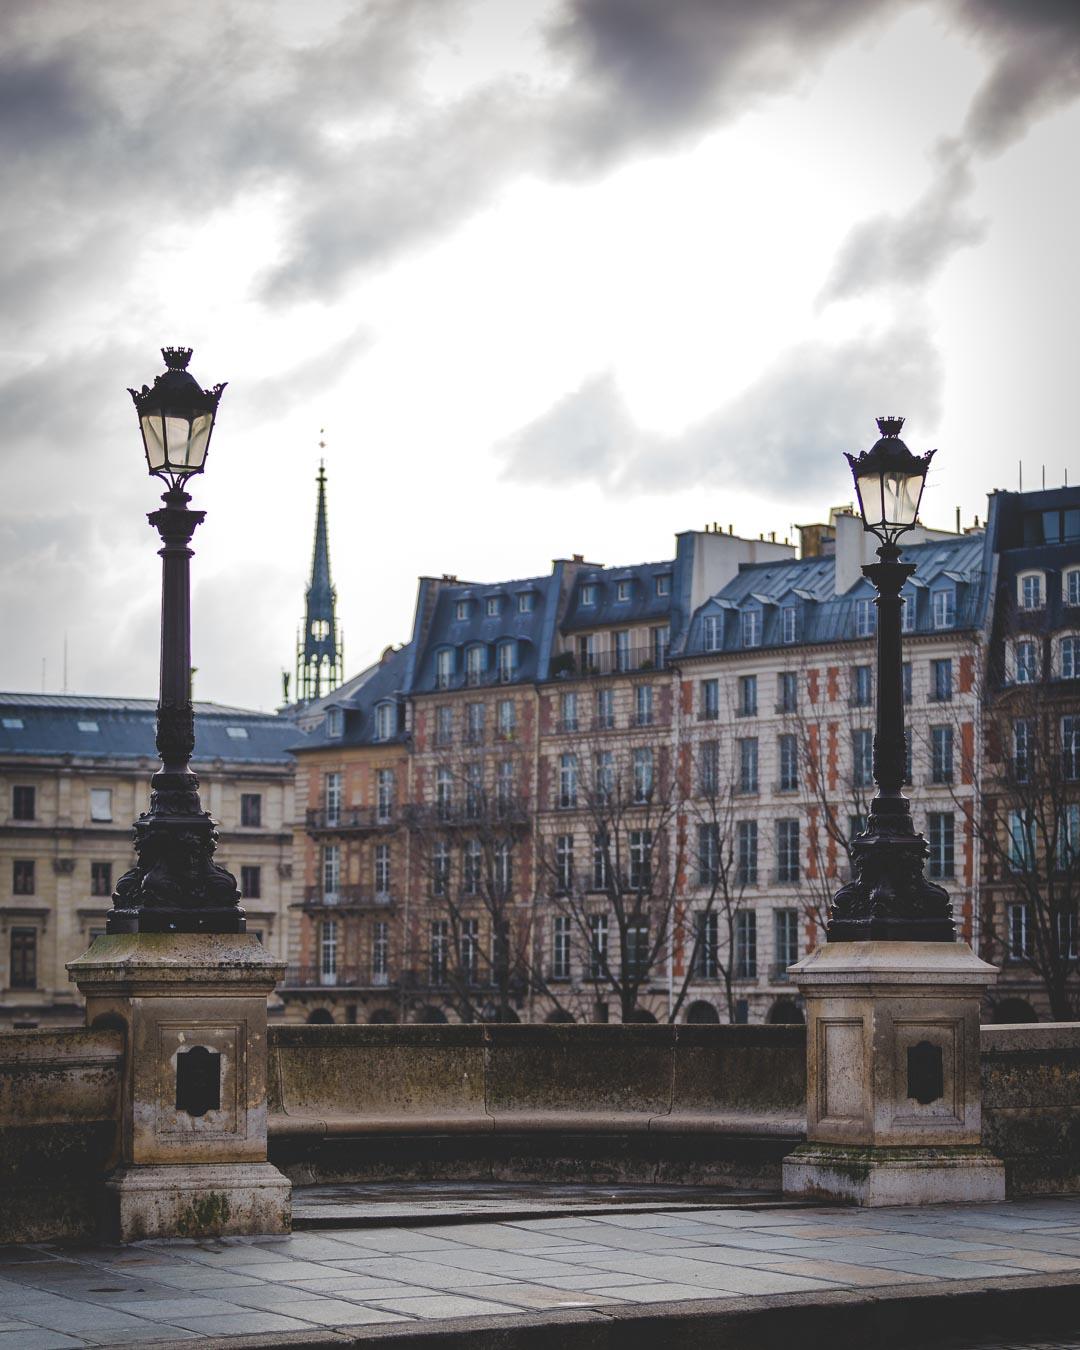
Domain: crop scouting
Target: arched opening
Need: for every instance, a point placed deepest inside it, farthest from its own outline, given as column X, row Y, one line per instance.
column 319, row 1017
column 1011, row 1010
column 785, row 1012
column 381, row 1017
column 640, row 1015
column 702, row 1012
column 430, row 1014
column 559, row 1015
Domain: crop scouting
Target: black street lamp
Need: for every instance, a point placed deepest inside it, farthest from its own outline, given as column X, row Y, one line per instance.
column 176, row 887
column 890, row 898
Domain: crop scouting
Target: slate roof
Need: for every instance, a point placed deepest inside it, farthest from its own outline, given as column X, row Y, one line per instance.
column 124, row 728
column 644, row 605
column 357, row 699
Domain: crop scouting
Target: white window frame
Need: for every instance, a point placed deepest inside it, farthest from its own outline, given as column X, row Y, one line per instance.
column 461, row 611
column 381, row 869
column 943, row 607
column 492, row 607
column 622, row 592
column 588, row 594
column 506, row 660
column 526, row 602
column 101, row 803
column 384, row 721
column 332, row 797
column 384, row 794
column 907, row 611
column 1070, row 586
column 663, row 584
column 1031, row 590
column 865, row 625
column 444, row 667
column 560, row 947
column 750, row 626
column 712, row 632
column 789, row 622
column 1067, row 649
column 1022, row 671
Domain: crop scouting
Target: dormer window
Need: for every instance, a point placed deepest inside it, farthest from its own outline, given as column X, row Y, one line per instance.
column 1069, row 657
column 750, row 627
column 526, row 601
column 712, row 632
column 475, row 664
column 444, row 667
column 663, row 584
column 864, row 618
column 335, row 722
column 1026, row 661
column 461, row 610
column 907, row 612
column 1070, row 586
column 588, row 593
column 493, row 607
column 943, row 608
column 88, row 726
column 384, row 721
column 1030, row 590
column 788, row 621
column 623, row 591
column 506, row 657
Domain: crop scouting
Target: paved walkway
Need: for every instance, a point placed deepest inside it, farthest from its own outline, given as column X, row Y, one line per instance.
column 171, row 1291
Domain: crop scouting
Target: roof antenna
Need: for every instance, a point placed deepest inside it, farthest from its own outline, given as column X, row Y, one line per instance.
column 1044, row 477
column 1021, row 467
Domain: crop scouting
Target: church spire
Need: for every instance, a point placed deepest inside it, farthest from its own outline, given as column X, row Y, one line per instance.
column 319, row 659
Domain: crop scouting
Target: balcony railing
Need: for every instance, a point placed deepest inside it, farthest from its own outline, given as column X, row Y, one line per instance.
column 347, row 897
column 346, row 819
column 342, row 977
column 626, row 662
column 513, row 812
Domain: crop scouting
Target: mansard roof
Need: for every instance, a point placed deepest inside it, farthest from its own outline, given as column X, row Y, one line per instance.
column 357, row 700
column 607, row 610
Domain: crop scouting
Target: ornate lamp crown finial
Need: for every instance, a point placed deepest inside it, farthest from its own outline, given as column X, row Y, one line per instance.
column 176, row 358
column 890, row 424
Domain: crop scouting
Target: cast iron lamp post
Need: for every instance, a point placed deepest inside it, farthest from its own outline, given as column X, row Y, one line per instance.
column 890, row 898
column 176, row 887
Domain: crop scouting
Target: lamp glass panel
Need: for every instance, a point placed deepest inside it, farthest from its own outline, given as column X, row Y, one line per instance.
column 177, row 442
column 154, row 441
column 900, row 493
column 200, row 439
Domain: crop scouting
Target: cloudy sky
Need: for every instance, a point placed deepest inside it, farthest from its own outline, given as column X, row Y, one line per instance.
column 556, row 276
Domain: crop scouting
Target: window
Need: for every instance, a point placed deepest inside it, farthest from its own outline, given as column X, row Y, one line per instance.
column 101, row 803
column 22, row 876
column 862, row 758
column 568, row 711
column 745, row 945
column 440, row 867
column 474, row 790
column 643, row 773
column 747, row 696
column 1030, row 592
column 385, row 721
column 708, row 851
column 470, row 950
column 908, row 776
column 787, row 688
column 250, row 882
column 331, row 871
column 864, row 618
column 862, row 684
column 604, row 776
column 526, row 602
column 444, row 725
column 461, row 610
column 1022, row 748
column 474, row 723
column 444, row 792
column 444, row 667
column 1066, row 933
column 1069, row 836
column 905, row 681
column 787, row 850
column 709, row 708
column 750, row 627
column 506, row 658
column 942, row 835
column 788, row 618
column 23, row 802
column 622, row 649
column 560, row 947
column 24, row 958
column 567, row 781
column 586, row 650
column 598, row 945
column 907, row 612
column 941, row 685
column 564, row 862
column 622, row 592
column 1018, row 918
column 332, row 797
column 943, row 608
column 1069, row 657
column 335, row 722
column 1027, row 661
column 788, row 748
column 941, row 754
column 251, row 809
column 708, row 768
column 1070, row 748
column 661, row 640
column 785, row 940
column 712, row 632
column 101, row 878
column 1071, row 586
column 643, row 705
column 382, row 869
column 1021, row 841
column 328, row 935
column 663, row 584
column 708, row 945
column 746, row 841
column 507, row 719
column 438, row 943
column 503, row 867
column 600, row 861
column 588, row 593
column 11, row 723
column 380, row 951
column 640, row 859
column 605, row 709
column 504, row 785
column 471, row 866
column 637, row 951
column 748, row 764
column 475, row 664
column 384, row 795
column 492, row 607
column 93, row 727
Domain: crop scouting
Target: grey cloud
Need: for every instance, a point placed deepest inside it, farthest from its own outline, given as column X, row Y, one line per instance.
column 812, row 399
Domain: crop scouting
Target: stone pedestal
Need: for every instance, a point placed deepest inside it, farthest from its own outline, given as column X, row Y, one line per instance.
column 893, row 1111
column 193, row 1145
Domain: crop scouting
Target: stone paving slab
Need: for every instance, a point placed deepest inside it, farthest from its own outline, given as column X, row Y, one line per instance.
column 309, row 1287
